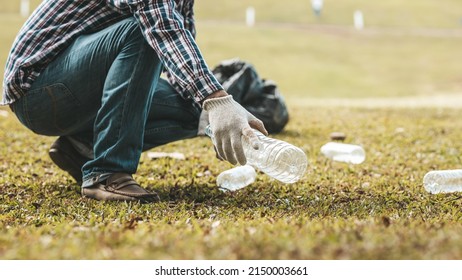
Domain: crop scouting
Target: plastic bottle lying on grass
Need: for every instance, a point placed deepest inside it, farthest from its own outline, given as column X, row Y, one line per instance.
column 276, row 158
column 344, row 152
column 443, row 181
column 236, row 178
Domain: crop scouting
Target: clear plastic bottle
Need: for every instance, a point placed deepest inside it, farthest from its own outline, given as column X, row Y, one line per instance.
column 236, row 178
column 276, row 158
column 344, row 152
column 443, row 181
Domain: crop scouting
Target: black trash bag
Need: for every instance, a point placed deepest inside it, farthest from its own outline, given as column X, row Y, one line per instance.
column 259, row 96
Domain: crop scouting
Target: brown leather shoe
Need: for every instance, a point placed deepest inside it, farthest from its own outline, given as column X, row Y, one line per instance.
column 66, row 157
column 119, row 186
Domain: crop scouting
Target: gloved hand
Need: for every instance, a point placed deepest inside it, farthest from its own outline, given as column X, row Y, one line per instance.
column 229, row 121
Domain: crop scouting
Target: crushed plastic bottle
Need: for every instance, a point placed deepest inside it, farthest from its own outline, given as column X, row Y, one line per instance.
column 443, row 181
column 276, row 158
column 344, row 152
column 236, row 178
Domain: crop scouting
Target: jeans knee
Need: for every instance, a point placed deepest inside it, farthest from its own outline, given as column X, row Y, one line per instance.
column 134, row 41
column 131, row 30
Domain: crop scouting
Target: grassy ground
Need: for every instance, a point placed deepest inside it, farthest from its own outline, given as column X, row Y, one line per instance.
column 309, row 62
column 376, row 210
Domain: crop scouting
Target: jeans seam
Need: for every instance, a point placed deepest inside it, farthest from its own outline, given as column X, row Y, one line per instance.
column 173, row 105
column 124, row 102
column 25, row 112
column 130, row 83
column 163, row 129
column 53, row 103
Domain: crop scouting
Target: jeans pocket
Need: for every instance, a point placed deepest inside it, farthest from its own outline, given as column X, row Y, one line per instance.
column 49, row 110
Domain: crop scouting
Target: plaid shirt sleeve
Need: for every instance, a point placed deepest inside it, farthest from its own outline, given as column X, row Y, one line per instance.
column 166, row 30
column 187, row 11
column 188, row 15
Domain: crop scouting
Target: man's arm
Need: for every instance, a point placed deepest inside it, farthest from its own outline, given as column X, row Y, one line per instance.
column 188, row 15
column 164, row 30
column 187, row 12
column 163, row 27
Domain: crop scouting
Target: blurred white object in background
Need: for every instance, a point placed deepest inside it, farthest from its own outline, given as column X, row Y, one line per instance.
column 317, row 6
column 24, row 8
column 358, row 20
column 250, row 16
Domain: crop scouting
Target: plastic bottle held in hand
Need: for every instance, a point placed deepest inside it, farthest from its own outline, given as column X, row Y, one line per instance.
column 344, row 152
column 443, row 181
column 236, row 178
column 276, row 158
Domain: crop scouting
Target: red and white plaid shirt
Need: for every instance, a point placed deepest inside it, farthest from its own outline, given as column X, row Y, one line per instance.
column 167, row 25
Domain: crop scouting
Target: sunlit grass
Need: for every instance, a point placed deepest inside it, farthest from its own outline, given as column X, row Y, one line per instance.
column 339, row 63
column 376, row 210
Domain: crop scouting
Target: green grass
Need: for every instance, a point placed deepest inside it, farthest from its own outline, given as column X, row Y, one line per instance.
column 376, row 210
column 339, row 63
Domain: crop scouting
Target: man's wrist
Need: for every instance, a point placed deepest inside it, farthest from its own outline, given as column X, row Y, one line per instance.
column 220, row 93
column 216, row 94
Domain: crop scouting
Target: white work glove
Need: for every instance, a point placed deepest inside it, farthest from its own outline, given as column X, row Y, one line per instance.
column 203, row 123
column 229, row 122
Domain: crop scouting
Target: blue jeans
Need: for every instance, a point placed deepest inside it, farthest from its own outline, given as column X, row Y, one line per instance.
column 105, row 90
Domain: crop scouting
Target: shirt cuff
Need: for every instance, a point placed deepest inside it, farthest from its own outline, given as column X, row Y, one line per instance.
column 203, row 87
